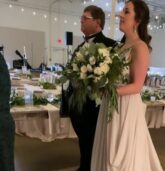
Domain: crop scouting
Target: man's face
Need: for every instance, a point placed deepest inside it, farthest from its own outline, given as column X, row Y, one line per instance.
column 89, row 25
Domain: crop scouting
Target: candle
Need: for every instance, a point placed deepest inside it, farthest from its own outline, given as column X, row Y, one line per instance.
column 24, row 52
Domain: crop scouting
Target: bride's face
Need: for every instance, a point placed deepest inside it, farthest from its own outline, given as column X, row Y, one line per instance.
column 127, row 18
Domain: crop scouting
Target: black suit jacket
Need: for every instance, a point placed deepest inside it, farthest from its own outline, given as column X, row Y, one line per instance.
column 64, row 109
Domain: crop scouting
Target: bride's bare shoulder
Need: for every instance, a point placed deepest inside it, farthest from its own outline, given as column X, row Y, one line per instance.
column 140, row 50
column 140, row 45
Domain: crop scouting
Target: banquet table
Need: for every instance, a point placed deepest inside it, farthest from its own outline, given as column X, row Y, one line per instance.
column 45, row 123
column 155, row 113
column 42, row 122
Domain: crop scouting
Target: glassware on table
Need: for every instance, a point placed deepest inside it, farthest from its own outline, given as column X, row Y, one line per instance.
column 24, row 69
column 28, row 97
column 50, row 97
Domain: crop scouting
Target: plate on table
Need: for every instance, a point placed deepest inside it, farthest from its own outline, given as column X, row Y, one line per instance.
column 15, row 78
column 35, row 79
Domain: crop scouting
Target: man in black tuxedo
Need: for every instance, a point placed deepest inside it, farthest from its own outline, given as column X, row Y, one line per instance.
column 84, row 124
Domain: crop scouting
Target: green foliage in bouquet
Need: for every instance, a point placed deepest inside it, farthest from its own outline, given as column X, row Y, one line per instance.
column 94, row 70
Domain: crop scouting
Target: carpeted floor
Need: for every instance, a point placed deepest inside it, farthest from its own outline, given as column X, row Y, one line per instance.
column 63, row 154
column 34, row 155
column 158, row 137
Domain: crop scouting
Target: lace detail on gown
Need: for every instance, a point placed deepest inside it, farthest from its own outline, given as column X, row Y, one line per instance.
column 124, row 143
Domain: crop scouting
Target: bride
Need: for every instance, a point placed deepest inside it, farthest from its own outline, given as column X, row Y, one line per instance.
column 124, row 143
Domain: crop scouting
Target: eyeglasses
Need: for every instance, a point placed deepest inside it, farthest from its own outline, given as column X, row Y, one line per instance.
column 83, row 17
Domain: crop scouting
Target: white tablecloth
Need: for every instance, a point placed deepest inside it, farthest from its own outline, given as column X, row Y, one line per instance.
column 155, row 114
column 42, row 122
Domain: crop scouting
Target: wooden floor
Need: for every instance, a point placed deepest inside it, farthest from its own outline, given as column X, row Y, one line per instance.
column 63, row 154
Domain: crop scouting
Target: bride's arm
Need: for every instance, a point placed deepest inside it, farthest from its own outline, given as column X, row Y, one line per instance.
column 138, row 70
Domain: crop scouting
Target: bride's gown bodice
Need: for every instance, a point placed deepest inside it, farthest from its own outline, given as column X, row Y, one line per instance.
column 124, row 143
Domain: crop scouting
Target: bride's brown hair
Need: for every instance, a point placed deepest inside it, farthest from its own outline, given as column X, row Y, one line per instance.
column 142, row 15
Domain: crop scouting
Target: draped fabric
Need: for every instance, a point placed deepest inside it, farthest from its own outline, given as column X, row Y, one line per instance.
column 124, row 143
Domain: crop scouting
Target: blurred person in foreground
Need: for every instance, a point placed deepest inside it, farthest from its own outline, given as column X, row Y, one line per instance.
column 7, row 126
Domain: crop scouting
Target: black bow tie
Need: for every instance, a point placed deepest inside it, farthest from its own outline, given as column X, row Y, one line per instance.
column 86, row 38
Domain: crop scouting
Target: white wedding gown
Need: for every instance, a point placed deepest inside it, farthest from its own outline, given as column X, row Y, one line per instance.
column 124, row 143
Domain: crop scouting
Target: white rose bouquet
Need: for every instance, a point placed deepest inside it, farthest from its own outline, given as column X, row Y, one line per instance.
column 94, row 70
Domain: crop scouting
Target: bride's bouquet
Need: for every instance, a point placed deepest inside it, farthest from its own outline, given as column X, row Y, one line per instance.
column 94, row 70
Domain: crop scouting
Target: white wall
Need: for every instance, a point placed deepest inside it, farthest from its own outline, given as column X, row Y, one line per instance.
column 14, row 18
column 54, row 30
column 30, row 42
column 158, row 51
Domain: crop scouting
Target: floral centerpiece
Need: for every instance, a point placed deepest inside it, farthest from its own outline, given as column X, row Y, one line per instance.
column 47, row 85
column 94, row 70
column 18, row 100
column 147, row 93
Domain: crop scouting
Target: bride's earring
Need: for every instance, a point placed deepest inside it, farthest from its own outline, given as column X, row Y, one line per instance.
column 135, row 29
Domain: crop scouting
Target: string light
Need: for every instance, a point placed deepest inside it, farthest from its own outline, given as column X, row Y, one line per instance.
column 22, row 9
column 109, row 15
column 34, row 13
column 10, row 5
column 85, row 2
column 75, row 23
column 65, row 21
column 45, row 16
column 106, row 4
column 55, row 19
column 156, row 22
column 156, row 17
column 120, row 8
